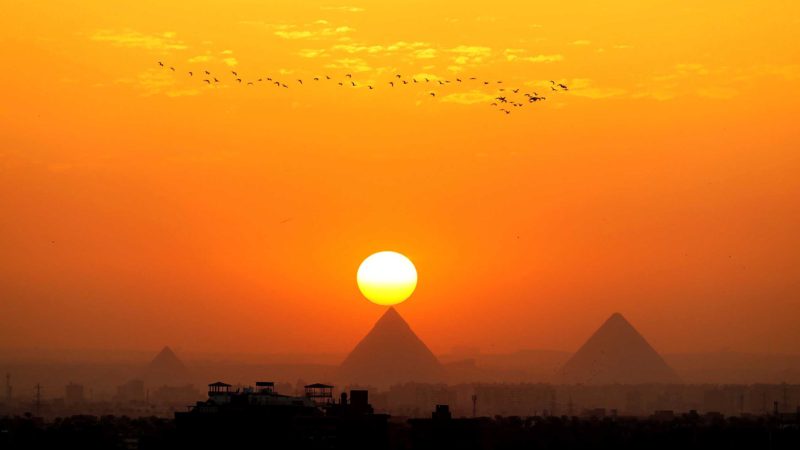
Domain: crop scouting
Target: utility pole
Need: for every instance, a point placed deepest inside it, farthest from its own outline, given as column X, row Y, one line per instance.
column 38, row 397
column 474, row 405
column 785, row 397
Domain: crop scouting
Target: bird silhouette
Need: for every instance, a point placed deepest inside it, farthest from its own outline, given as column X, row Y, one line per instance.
column 405, row 82
column 353, row 83
column 458, row 79
column 161, row 64
column 563, row 86
column 391, row 83
column 191, row 74
column 327, row 77
column 239, row 80
column 283, row 85
column 277, row 83
column 207, row 72
column 216, row 80
column 250, row 83
column 501, row 99
column 341, row 84
column 172, row 68
column 316, row 78
column 433, row 94
column 515, row 90
column 207, row 81
column 234, row 73
column 349, row 75
column 398, row 76
column 300, row 81
column 414, row 80
column 370, row 87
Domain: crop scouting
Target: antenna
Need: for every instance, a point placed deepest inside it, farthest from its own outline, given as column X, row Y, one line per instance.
column 785, row 397
column 38, row 397
column 474, row 405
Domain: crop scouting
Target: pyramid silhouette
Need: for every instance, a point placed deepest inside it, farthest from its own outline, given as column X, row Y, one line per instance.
column 390, row 353
column 166, row 368
column 617, row 353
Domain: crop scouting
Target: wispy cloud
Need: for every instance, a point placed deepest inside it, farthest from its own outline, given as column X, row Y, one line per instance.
column 582, row 42
column 585, row 87
column 468, row 98
column 350, row 9
column 135, row 39
column 470, row 54
column 541, row 58
column 155, row 82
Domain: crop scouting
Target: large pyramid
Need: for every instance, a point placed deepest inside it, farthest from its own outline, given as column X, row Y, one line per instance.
column 166, row 368
column 390, row 353
column 617, row 353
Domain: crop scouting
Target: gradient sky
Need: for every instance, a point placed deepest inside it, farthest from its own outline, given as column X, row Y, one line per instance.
column 140, row 207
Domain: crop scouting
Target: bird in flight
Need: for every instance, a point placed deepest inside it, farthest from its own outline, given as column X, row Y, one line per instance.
column 191, row 74
column 234, row 73
column 207, row 72
column 563, row 86
column 391, row 83
column 161, row 64
column 433, row 94
column 300, row 81
column 239, row 80
column 501, row 99
column 349, row 75
column 172, row 68
column 316, row 78
column 207, row 81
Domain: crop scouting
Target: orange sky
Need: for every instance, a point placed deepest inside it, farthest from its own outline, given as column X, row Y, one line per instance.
column 141, row 207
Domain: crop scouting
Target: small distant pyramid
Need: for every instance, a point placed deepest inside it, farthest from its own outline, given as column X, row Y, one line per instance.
column 390, row 353
column 166, row 368
column 617, row 353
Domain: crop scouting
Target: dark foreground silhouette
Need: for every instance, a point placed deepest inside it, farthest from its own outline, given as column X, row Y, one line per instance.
column 683, row 432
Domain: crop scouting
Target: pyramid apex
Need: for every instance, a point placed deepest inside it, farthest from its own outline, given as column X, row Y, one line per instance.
column 616, row 317
column 617, row 353
column 390, row 353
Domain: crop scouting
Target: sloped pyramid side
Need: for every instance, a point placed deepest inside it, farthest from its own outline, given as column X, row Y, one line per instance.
column 617, row 353
column 390, row 353
column 166, row 368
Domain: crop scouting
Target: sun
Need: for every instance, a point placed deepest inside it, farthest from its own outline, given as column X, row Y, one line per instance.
column 387, row 278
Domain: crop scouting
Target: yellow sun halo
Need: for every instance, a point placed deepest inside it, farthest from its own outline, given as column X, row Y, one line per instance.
column 387, row 278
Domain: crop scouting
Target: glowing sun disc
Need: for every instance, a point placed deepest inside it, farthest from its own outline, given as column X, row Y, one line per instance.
column 387, row 278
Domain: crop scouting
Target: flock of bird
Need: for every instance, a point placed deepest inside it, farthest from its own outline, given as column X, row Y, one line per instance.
column 506, row 99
